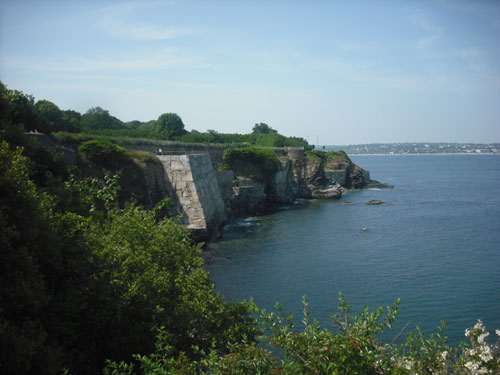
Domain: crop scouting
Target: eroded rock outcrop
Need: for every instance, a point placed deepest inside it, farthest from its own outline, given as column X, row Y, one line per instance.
column 283, row 187
column 312, row 181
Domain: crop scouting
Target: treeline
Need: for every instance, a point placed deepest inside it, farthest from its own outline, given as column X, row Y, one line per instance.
column 46, row 117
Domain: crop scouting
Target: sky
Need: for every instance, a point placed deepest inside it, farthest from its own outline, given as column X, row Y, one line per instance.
column 332, row 72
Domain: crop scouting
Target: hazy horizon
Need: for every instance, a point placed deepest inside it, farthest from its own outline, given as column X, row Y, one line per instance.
column 334, row 73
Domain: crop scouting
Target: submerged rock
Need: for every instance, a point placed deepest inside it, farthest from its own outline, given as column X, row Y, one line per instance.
column 374, row 184
column 375, row 202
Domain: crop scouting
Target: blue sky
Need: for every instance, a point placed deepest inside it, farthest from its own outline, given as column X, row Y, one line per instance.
column 340, row 72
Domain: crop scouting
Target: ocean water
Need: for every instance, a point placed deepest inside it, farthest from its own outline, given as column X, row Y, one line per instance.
column 435, row 245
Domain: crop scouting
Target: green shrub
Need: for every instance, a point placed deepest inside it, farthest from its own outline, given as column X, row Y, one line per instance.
column 144, row 157
column 256, row 163
column 353, row 348
column 114, row 158
column 334, row 156
column 330, row 156
column 104, row 153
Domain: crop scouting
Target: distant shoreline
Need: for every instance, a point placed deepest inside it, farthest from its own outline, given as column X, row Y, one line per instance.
column 429, row 154
column 417, row 148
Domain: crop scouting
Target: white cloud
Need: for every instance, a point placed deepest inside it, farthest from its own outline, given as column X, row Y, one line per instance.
column 166, row 59
column 434, row 32
column 143, row 32
column 117, row 20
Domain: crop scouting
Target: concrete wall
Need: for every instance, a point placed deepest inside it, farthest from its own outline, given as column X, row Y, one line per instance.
column 191, row 181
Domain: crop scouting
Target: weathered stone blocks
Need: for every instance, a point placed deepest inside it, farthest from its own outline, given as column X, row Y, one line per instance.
column 192, row 182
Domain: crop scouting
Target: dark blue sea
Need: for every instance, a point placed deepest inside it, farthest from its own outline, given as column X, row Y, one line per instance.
column 435, row 245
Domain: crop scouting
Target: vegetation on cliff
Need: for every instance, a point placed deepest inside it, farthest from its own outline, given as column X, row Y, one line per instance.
column 339, row 161
column 330, row 156
column 252, row 162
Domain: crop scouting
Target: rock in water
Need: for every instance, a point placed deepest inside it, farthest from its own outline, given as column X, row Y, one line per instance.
column 375, row 202
column 326, row 192
column 374, row 184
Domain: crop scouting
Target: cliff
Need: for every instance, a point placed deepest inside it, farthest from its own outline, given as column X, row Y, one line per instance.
column 259, row 181
column 311, row 179
column 309, row 175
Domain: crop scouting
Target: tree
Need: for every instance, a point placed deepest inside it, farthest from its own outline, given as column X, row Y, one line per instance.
column 19, row 108
column 71, row 120
column 262, row 128
column 134, row 124
column 97, row 118
column 170, row 126
column 45, row 278
column 51, row 115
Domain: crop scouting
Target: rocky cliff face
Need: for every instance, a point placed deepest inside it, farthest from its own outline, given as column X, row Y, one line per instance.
column 313, row 175
column 347, row 174
column 312, row 181
column 205, row 199
column 283, row 188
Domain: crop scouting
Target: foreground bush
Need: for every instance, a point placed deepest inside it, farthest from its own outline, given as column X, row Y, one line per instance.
column 82, row 280
column 352, row 349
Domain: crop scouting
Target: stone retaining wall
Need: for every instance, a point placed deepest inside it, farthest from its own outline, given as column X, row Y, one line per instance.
column 192, row 183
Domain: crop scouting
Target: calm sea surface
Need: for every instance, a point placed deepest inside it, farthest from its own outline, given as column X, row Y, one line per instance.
column 436, row 245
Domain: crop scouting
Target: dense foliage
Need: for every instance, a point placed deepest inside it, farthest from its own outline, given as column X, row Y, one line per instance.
column 97, row 118
column 170, row 126
column 252, row 162
column 46, row 117
column 352, row 349
column 83, row 281
column 103, row 153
